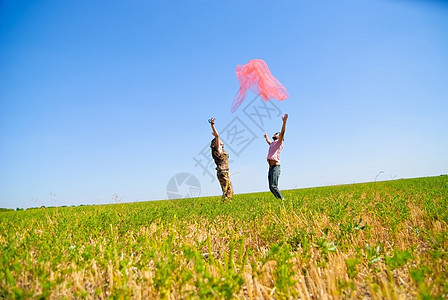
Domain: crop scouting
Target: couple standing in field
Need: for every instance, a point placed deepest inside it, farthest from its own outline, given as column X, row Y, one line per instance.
column 221, row 158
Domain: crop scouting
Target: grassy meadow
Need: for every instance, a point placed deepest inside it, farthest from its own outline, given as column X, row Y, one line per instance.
column 379, row 240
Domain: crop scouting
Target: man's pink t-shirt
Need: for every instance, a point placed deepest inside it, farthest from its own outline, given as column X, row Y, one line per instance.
column 274, row 150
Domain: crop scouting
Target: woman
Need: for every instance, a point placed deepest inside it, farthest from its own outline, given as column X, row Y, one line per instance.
column 221, row 158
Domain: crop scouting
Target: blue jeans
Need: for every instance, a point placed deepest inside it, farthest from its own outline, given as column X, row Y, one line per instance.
column 273, row 175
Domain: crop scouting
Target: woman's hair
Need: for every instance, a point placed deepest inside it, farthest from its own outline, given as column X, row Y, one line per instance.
column 213, row 144
column 214, row 150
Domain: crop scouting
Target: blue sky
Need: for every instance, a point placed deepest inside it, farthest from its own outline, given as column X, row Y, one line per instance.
column 107, row 101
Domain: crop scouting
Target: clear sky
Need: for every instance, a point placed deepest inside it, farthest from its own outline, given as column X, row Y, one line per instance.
column 107, row 101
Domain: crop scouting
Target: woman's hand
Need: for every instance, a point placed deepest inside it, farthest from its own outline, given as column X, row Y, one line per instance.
column 215, row 132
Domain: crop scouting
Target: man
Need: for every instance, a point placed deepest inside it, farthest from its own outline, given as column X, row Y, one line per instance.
column 273, row 158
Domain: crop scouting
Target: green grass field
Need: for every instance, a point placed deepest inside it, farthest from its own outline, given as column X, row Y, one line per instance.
column 379, row 240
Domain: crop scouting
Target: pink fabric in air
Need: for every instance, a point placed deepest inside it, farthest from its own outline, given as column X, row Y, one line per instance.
column 256, row 76
column 274, row 150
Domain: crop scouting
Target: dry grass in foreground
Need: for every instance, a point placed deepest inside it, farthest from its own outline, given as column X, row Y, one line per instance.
column 382, row 240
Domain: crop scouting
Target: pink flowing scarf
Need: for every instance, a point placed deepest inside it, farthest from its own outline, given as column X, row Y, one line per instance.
column 256, row 76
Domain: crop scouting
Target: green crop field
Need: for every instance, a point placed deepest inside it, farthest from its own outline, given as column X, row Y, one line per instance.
column 379, row 240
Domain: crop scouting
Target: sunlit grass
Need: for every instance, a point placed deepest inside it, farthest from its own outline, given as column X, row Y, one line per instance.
column 381, row 240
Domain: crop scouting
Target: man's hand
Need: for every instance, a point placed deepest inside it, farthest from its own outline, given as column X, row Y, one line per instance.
column 267, row 138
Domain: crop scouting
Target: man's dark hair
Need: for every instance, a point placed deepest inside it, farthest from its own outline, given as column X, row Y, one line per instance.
column 273, row 137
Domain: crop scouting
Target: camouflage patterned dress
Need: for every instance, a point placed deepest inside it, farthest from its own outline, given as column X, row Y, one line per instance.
column 222, row 172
